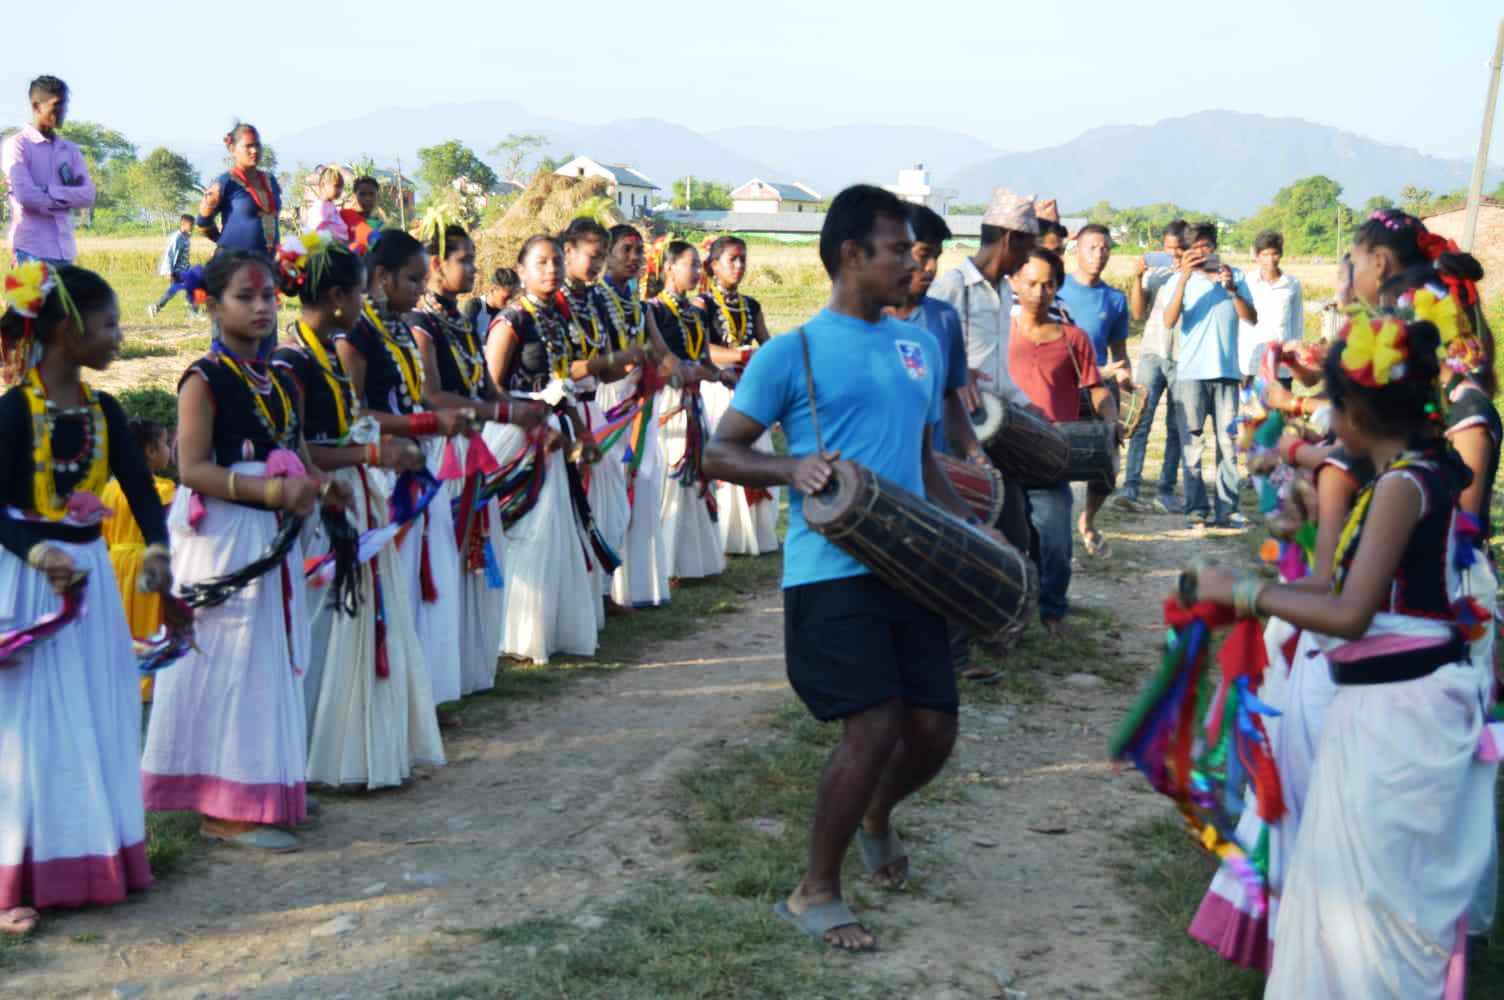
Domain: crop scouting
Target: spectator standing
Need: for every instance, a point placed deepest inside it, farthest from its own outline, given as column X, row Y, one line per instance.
column 1148, row 296
column 1278, row 300
column 1102, row 312
column 48, row 179
column 1208, row 300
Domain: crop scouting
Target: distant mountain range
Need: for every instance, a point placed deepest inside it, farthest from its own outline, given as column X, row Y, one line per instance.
column 1221, row 161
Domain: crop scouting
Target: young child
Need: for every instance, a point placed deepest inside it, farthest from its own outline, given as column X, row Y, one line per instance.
column 143, row 610
column 174, row 265
column 361, row 220
column 324, row 215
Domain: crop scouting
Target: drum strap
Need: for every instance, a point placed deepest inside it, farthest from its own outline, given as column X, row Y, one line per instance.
column 809, row 389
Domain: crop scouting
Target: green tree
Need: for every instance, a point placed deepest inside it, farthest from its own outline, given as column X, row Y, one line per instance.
column 548, row 164
column 693, row 193
column 162, row 185
column 514, row 151
column 439, row 166
column 1377, row 203
column 1414, row 199
column 1309, row 213
column 109, row 156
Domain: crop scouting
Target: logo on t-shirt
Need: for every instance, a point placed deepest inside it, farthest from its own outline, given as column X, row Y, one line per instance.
column 912, row 356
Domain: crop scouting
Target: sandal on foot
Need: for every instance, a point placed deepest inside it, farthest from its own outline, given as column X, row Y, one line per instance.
column 1095, row 544
column 263, row 838
column 821, row 919
column 981, row 675
column 880, row 852
column 19, row 920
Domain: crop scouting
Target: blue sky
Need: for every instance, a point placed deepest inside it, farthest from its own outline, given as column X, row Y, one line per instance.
column 1020, row 76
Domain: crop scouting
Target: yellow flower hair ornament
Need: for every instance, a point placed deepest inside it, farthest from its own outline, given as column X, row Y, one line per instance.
column 1461, row 351
column 27, row 287
column 1375, row 351
column 302, row 258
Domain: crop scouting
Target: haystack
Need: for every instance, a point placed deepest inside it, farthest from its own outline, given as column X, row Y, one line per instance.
column 546, row 205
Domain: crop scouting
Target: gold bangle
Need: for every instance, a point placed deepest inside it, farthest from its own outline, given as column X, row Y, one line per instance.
column 233, row 496
column 272, row 497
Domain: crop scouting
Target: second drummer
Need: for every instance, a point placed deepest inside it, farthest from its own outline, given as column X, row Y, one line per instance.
column 1052, row 362
column 857, row 650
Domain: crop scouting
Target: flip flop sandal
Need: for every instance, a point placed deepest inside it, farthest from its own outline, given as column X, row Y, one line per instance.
column 981, row 675
column 1095, row 544
column 879, row 852
column 819, row 920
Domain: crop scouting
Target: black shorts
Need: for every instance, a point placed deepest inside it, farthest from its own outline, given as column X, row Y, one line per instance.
column 855, row 643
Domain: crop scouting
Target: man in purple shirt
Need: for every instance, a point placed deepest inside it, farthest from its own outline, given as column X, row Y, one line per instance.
column 48, row 179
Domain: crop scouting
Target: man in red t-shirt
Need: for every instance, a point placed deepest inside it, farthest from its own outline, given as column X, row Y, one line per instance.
column 1052, row 362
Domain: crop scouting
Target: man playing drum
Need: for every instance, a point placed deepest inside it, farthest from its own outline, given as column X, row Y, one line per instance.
column 858, row 651
column 1052, row 362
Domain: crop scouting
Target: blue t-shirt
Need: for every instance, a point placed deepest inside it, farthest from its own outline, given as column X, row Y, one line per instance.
column 878, row 386
column 1209, row 329
column 240, row 218
column 944, row 323
column 1100, row 310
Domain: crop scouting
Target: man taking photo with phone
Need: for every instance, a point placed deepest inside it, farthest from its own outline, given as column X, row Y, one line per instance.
column 1209, row 300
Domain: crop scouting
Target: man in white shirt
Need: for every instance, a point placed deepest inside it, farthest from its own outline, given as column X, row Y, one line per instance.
column 979, row 292
column 1156, row 373
column 1278, row 302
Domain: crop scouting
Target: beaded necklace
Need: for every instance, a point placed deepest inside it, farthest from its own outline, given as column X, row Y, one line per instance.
column 265, row 202
column 458, row 335
column 45, row 496
column 691, row 346
column 590, row 344
column 630, row 334
column 1352, row 531
column 401, row 350
column 550, row 327
column 261, row 387
column 339, row 383
column 736, row 332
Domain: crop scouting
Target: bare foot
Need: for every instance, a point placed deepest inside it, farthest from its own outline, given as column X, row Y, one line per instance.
column 448, row 720
column 1055, row 627
column 225, row 828
column 18, row 920
column 847, row 937
column 614, row 610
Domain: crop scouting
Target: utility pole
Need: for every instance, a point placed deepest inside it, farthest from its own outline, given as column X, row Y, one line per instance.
column 1480, row 165
column 401, row 200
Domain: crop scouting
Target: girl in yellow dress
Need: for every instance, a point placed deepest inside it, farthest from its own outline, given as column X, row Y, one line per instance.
column 143, row 611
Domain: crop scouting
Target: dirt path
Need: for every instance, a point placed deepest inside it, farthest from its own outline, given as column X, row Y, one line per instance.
column 550, row 807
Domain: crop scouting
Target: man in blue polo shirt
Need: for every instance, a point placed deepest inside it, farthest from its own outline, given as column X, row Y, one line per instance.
column 857, row 650
column 1209, row 300
column 1102, row 311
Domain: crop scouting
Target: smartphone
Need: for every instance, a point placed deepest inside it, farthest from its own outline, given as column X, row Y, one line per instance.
column 1159, row 258
column 1212, row 264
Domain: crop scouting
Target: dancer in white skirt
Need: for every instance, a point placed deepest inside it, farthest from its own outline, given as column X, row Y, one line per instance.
column 1399, row 817
column 748, row 518
column 228, row 734
column 602, row 371
column 642, row 580
column 1297, row 683
column 369, row 698
column 552, row 602
column 386, row 368
column 695, row 548
column 453, row 361
column 72, row 828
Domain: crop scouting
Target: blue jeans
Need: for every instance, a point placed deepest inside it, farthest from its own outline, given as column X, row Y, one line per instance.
column 1050, row 513
column 1218, row 399
column 1151, row 375
column 22, row 257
